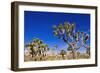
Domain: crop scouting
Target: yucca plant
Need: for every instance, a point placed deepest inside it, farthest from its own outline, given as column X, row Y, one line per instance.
column 37, row 48
column 63, row 53
column 66, row 32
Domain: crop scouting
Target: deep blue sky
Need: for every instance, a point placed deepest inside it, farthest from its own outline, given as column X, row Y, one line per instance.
column 39, row 25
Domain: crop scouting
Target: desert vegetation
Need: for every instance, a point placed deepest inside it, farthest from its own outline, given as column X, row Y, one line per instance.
column 38, row 50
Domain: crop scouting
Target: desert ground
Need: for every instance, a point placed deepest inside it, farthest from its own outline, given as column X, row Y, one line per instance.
column 52, row 57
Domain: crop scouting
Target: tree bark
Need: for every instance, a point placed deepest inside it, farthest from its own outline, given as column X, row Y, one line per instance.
column 73, row 54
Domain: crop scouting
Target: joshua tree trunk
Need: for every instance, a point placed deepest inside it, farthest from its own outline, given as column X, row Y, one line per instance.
column 87, row 49
column 32, row 52
column 73, row 54
column 63, row 57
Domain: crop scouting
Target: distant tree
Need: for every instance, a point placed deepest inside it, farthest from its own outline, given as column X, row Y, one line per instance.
column 62, row 53
column 66, row 32
column 55, row 46
column 54, row 49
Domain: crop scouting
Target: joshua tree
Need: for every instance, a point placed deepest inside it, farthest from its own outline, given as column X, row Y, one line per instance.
column 37, row 48
column 66, row 32
column 55, row 46
column 62, row 53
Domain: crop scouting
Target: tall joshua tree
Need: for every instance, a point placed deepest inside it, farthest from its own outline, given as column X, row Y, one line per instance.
column 66, row 32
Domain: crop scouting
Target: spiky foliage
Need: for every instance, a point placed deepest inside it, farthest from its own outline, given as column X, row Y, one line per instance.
column 67, row 33
column 37, row 48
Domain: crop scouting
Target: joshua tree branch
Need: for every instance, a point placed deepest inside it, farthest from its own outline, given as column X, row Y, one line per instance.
column 65, row 40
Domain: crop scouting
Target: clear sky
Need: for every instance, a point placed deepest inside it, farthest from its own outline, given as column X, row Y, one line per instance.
column 39, row 25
